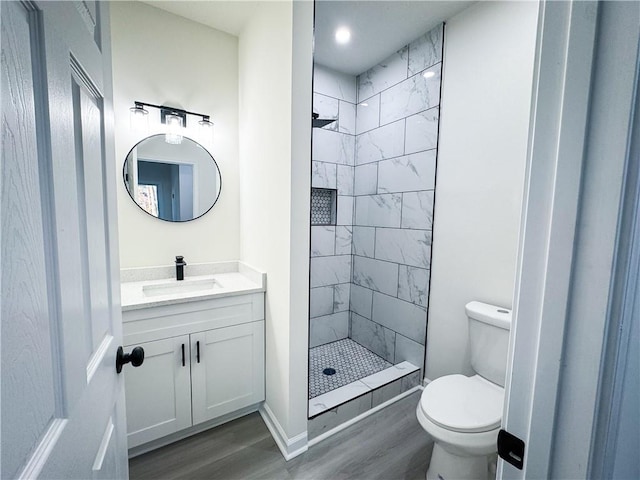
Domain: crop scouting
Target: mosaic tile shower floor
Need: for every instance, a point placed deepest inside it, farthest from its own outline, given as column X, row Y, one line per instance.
column 350, row 360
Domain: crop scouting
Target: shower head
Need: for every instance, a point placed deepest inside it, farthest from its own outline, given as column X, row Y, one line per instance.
column 320, row 122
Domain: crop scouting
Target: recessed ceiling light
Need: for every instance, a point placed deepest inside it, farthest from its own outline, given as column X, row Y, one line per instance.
column 429, row 74
column 343, row 35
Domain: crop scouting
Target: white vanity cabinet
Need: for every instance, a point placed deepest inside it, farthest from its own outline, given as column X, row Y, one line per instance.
column 158, row 394
column 203, row 360
column 227, row 370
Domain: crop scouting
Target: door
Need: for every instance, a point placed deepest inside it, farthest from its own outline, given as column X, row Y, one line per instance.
column 159, row 396
column 575, row 175
column 227, row 370
column 62, row 401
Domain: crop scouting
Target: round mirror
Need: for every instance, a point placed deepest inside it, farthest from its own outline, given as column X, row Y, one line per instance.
column 173, row 182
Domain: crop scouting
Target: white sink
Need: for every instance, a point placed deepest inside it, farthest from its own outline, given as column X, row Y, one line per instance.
column 184, row 286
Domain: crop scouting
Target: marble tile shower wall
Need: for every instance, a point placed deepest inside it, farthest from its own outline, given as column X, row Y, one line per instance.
column 370, row 271
column 333, row 159
column 394, row 180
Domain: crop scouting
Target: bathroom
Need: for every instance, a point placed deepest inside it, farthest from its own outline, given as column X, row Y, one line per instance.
column 483, row 172
column 248, row 66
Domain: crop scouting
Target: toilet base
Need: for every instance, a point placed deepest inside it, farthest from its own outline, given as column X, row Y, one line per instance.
column 447, row 466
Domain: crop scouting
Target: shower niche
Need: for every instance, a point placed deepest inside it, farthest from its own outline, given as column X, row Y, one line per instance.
column 323, row 206
column 374, row 167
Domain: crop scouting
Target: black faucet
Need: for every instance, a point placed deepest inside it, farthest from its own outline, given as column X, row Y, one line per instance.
column 180, row 263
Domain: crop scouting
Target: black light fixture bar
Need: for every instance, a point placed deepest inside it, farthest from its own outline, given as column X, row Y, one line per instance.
column 178, row 112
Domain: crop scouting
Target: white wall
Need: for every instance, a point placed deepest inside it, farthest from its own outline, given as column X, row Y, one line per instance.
column 485, row 107
column 300, row 185
column 165, row 59
column 275, row 60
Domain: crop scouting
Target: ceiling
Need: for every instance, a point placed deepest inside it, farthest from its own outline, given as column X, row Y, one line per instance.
column 226, row 15
column 378, row 27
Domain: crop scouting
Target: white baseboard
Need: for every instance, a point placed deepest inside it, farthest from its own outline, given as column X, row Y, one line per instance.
column 289, row 447
column 362, row 416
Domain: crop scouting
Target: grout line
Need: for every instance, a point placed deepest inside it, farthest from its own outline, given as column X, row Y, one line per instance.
column 401, row 300
column 406, row 115
column 389, row 158
column 375, row 238
column 398, row 287
column 333, row 300
column 395, row 347
column 340, row 133
column 404, row 133
column 377, row 166
column 392, row 228
column 334, row 98
column 403, row 80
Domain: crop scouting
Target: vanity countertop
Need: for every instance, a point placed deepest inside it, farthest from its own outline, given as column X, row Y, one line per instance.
column 154, row 286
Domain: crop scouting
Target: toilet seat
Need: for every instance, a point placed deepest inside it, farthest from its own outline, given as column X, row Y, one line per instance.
column 463, row 404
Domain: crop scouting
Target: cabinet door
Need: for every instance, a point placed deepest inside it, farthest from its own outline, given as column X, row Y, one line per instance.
column 158, row 393
column 227, row 371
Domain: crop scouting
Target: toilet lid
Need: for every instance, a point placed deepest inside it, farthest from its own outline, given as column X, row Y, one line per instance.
column 463, row 404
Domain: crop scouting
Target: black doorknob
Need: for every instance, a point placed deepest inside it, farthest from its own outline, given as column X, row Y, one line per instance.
column 136, row 357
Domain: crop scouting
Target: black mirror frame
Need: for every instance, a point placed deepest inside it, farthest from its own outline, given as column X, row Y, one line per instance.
column 124, row 179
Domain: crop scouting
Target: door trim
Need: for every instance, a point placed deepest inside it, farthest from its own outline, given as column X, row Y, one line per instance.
column 551, row 389
column 566, row 31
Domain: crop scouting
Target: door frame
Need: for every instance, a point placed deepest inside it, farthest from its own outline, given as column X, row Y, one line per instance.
column 573, row 185
column 620, row 345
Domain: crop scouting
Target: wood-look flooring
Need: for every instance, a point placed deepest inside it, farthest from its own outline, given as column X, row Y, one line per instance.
column 388, row 445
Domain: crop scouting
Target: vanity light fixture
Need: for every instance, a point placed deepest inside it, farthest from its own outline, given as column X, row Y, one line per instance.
column 138, row 117
column 174, row 118
column 174, row 129
column 206, row 128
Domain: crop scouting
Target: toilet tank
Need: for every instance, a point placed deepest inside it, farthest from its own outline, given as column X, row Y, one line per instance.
column 489, row 328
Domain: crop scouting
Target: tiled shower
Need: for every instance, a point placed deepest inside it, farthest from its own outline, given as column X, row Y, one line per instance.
column 373, row 170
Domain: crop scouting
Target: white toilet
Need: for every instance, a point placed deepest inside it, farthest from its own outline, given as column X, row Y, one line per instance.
column 463, row 414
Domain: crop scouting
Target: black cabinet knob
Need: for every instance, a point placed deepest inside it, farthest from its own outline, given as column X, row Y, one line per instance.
column 136, row 357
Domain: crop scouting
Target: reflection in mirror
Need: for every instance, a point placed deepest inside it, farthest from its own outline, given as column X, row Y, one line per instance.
column 173, row 182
